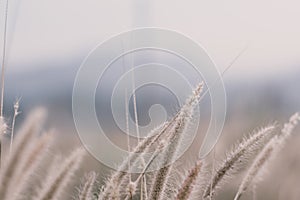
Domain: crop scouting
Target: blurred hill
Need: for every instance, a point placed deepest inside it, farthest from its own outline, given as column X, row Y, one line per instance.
column 269, row 98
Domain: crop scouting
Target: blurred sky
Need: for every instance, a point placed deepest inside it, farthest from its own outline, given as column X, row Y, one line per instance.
column 41, row 30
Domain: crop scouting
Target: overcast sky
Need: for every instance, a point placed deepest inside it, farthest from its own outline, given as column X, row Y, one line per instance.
column 41, row 30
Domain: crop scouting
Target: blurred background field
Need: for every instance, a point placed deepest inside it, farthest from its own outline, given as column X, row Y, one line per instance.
column 48, row 41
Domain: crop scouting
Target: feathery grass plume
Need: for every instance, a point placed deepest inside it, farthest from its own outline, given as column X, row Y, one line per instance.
column 30, row 163
column 162, row 174
column 25, row 137
column 54, row 185
column 129, row 188
column 258, row 165
column 238, row 154
column 118, row 178
column 113, row 183
column 174, row 140
column 204, row 176
column 289, row 126
column 126, row 184
column 50, row 166
column 262, row 159
column 271, row 149
column 86, row 192
column 16, row 113
column 37, row 151
column 186, row 187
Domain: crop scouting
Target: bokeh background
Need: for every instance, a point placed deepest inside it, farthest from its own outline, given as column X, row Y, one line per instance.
column 48, row 40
